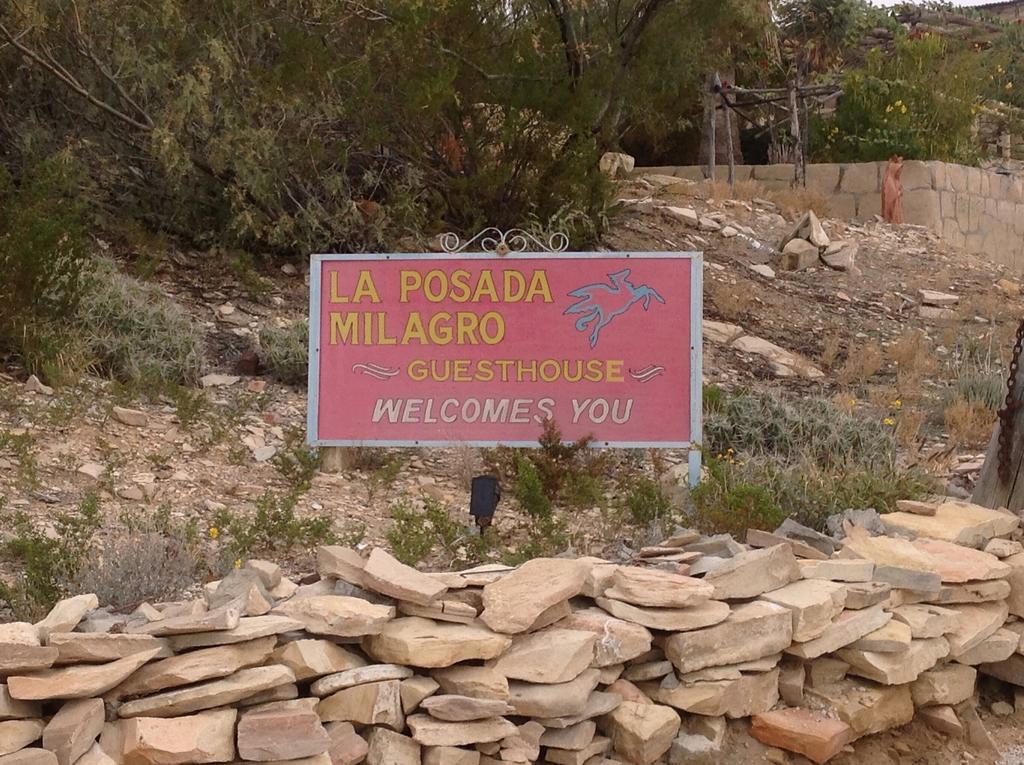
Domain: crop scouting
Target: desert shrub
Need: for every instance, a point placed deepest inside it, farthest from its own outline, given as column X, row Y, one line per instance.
column 861, row 363
column 415, row 535
column 645, row 502
column 969, row 423
column 153, row 559
column 296, row 462
column 980, row 387
column 529, row 489
column 787, row 430
column 740, row 494
column 285, row 352
column 50, row 558
column 135, row 332
column 42, row 258
column 274, row 526
column 796, row 201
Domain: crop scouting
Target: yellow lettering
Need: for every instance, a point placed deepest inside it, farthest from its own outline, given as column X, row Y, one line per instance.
column 365, row 287
column 614, row 371
column 382, row 334
column 514, row 292
column 435, row 286
column 492, row 328
column 336, row 296
column 344, row 328
column 410, row 281
column 440, row 333
column 485, row 286
column 539, row 286
column 466, row 328
column 460, row 286
column 417, row 370
column 414, row 330
column 594, row 372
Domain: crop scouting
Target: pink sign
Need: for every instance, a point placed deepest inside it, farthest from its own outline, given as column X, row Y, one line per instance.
column 433, row 350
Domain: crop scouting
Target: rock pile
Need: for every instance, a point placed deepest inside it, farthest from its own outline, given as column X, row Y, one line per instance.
column 807, row 245
column 564, row 661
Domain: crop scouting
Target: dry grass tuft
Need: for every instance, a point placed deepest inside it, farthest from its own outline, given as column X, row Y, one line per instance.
column 729, row 300
column 741, row 190
column 969, row 423
column 830, row 349
column 908, row 427
column 793, row 202
column 862, row 363
column 914, row 360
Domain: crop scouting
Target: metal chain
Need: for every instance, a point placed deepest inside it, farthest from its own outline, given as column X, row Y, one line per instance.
column 1010, row 405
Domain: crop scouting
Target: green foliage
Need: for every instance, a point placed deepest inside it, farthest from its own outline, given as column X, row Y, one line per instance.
column 645, row 502
column 273, row 527
column 296, row 462
column 415, row 535
column 548, row 537
column 49, row 559
column 730, row 501
column 135, row 332
column 42, row 258
column 285, row 352
column 20, row 446
column 529, row 490
column 919, row 102
column 785, row 430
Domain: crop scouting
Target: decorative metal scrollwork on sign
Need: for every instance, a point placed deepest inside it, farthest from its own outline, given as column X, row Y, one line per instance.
column 500, row 242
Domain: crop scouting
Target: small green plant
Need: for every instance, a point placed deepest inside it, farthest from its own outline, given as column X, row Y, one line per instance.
column 296, row 462
column 285, row 351
column 529, row 490
column 382, row 477
column 548, row 537
column 190, row 405
column 412, row 537
column 415, row 535
column 274, row 526
column 50, row 560
column 21, row 447
column 645, row 502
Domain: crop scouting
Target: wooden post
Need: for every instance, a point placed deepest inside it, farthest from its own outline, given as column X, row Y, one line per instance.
column 799, row 175
column 991, row 490
column 728, row 141
column 712, row 140
column 335, row 459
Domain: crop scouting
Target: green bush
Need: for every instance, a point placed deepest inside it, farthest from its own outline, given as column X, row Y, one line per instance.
column 50, row 560
column 285, row 352
column 42, row 259
column 296, row 462
column 645, row 502
column 529, row 490
column 790, row 431
column 273, row 527
column 135, row 333
column 416, row 535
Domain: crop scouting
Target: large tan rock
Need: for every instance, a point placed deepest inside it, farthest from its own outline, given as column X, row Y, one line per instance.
column 926, row 621
column 591, row 753
column 847, row 628
column 385, row 747
column 946, row 684
column 450, row 755
column 215, row 693
column 73, row 730
column 225, row 618
column 753, row 573
column 195, row 666
column 347, row 747
column 95, row 756
column 704, row 614
column 371, row 673
column 999, row 646
column 958, row 522
column 316, row 658
column 737, row 697
column 597, row 703
column 29, row 756
column 441, row 610
column 385, row 574
column 453, row 708
column 816, row 736
column 415, row 689
column 419, row 642
column 249, row 628
column 369, row 704
column 513, row 603
column 430, row 732
column 838, row 569
column 893, row 637
column 957, row 564
column 974, row 623
column 555, row 700
column 17, row 734
column 1010, row 670
column 866, row 707
column 656, row 588
column 337, row 615
column 284, row 730
column 13, row 709
column 972, row 592
column 574, row 738
column 751, row 631
column 99, row 647
column 343, row 563
column 77, row 682
column 20, row 649
column 479, row 682
column 1015, row 578
column 201, row 738
column 551, row 656
column 897, row 561
column 66, row 615
column 641, row 733
column 896, row 668
column 618, row 641
column 814, row 603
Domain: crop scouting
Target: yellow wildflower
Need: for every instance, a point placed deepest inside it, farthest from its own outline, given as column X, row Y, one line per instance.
column 897, row 403
column 238, row 562
column 903, row 109
column 214, row 532
column 889, row 421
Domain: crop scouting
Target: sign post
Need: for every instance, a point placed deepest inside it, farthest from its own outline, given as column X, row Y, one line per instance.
column 479, row 349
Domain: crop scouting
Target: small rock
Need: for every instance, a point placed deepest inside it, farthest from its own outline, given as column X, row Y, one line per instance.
column 132, row 417
column 34, row 385
column 1002, row 709
column 729, row 232
column 289, row 270
column 92, row 469
column 615, row 164
column 938, row 299
column 264, row 453
column 764, row 269
column 218, row 381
